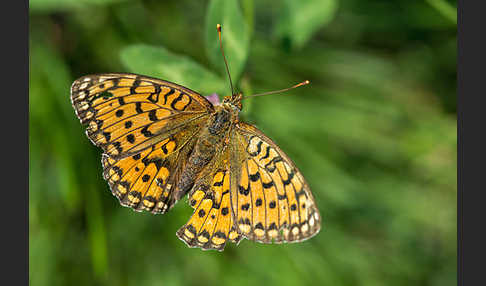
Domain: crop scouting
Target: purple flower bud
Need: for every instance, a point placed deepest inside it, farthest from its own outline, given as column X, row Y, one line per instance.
column 214, row 99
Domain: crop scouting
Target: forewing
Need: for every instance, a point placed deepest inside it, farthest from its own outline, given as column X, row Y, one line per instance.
column 146, row 127
column 126, row 113
column 273, row 202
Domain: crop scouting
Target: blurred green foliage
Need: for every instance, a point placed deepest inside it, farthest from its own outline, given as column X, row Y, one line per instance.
column 159, row 62
column 374, row 134
column 235, row 36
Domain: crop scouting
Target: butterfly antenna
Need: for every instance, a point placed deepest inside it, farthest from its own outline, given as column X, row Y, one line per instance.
column 218, row 26
column 280, row 90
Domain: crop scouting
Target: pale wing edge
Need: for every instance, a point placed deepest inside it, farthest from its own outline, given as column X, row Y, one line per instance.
column 207, row 103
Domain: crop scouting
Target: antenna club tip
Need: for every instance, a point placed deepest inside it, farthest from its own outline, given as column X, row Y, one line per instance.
column 301, row 84
column 218, row 26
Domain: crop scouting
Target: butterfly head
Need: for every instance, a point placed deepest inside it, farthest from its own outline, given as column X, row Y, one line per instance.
column 233, row 103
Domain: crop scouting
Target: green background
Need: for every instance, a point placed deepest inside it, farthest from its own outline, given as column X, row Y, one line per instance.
column 374, row 134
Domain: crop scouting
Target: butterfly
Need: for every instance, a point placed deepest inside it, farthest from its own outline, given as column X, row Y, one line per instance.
column 162, row 141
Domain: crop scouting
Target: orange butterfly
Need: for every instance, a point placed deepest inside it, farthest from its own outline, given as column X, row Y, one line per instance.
column 162, row 141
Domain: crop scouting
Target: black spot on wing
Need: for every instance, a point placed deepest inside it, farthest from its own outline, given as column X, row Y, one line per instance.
column 255, row 177
column 146, row 132
column 136, row 194
column 154, row 97
column 244, row 221
column 152, row 115
column 301, row 193
column 290, row 176
column 220, row 234
column 270, row 166
column 118, row 146
column 244, row 191
column 107, row 136
column 131, row 138
column 166, row 96
column 205, row 234
column 135, row 84
column 145, row 178
column 259, row 148
column 224, row 211
column 189, row 103
column 259, row 225
column 191, row 228
column 267, row 152
column 267, row 185
column 201, row 213
column 258, row 202
column 121, row 101
column 138, row 107
column 173, row 104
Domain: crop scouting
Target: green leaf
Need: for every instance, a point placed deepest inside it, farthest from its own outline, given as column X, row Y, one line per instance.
column 235, row 36
column 62, row 5
column 299, row 20
column 446, row 9
column 248, row 10
column 160, row 63
column 96, row 232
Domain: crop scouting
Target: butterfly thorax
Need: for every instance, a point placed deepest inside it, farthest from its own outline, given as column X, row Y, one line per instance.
column 211, row 140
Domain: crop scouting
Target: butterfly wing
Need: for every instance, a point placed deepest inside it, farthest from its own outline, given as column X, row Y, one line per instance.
column 273, row 202
column 146, row 127
column 212, row 223
column 254, row 191
column 127, row 113
column 146, row 180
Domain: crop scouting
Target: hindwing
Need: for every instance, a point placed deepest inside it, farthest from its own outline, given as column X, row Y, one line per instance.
column 212, row 223
column 273, row 202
